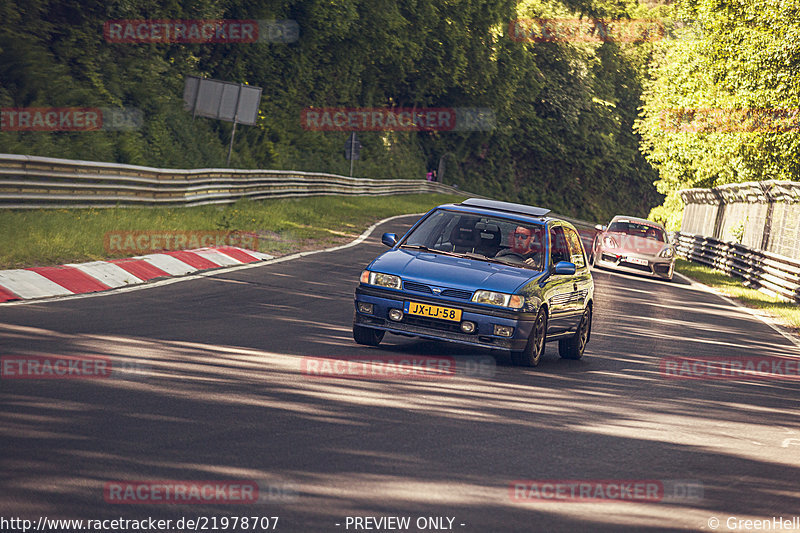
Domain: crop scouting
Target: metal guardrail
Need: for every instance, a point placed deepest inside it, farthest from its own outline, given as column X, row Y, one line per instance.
column 40, row 182
column 31, row 182
column 776, row 274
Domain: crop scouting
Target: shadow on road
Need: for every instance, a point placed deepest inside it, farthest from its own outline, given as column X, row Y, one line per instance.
column 218, row 394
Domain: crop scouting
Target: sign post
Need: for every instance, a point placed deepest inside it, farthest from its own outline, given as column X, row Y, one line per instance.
column 352, row 150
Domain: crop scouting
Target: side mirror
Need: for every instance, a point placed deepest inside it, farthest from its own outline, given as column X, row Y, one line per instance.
column 564, row 268
column 389, row 239
column 600, row 227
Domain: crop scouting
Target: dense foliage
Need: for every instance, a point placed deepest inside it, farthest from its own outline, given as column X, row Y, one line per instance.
column 731, row 81
column 564, row 110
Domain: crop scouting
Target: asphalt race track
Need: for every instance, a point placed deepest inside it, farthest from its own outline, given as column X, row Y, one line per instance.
column 215, row 392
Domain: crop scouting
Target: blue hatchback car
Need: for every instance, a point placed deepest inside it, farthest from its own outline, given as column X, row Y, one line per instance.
column 484, row 273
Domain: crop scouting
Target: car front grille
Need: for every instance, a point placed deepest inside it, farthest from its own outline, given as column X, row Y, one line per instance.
column 457, row 293
column 447, row 293
column 417, row 287
column 643, row 268
column 432, row 323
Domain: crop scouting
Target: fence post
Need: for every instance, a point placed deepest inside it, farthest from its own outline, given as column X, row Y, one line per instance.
column 720, row 213
column 767, row 188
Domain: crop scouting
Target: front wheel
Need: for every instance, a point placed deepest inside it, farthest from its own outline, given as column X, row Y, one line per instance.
column 574, row 347
column 533, row 351
column 367, row 336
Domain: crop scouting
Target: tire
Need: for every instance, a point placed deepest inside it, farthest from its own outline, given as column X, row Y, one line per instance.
column 367, row 336
column 574, row 347
column 533, row 351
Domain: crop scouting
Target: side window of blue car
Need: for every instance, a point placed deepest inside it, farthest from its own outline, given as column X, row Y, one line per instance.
column 575, row 248
column 559, row 250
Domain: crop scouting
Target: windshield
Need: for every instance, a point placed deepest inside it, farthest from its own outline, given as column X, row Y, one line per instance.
column 637, row 230
column 480, row 237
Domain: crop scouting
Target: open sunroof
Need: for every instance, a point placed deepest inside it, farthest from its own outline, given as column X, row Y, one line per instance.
column 507, row 207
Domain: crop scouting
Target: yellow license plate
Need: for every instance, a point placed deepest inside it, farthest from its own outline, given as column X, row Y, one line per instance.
column 433, row 311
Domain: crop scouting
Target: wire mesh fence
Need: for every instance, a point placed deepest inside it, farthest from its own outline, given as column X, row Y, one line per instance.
column 760, row 215
column 750, row 230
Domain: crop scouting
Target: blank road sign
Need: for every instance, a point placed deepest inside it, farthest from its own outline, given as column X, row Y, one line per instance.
column 249, row 99
column 228, row 101
column 222, row 100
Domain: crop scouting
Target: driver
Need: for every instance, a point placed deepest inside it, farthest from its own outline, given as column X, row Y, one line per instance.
column 525, row 245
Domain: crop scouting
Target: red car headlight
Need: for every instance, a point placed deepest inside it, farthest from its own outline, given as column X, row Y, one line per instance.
column 609, row 242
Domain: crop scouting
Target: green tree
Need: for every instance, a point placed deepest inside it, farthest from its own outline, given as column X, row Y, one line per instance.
column 724, row 58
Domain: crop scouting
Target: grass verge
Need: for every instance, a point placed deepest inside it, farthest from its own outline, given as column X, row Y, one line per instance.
column 282, row 226
column 787, row 313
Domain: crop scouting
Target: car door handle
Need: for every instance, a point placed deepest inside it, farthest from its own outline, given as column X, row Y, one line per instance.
column 575, row 287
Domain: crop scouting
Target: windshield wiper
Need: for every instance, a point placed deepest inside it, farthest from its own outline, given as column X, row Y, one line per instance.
column 525, row 265
column 509, row 263
column 471, row 255
column 426, row 249
column 481, row 257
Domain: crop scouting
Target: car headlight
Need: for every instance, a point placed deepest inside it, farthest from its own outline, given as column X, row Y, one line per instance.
column 609, row 242
column 513, row 301
column 666, row 253
column 381, row 280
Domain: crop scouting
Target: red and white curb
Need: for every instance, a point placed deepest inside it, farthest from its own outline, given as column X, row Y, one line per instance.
column 69, row 279
column 169, row 267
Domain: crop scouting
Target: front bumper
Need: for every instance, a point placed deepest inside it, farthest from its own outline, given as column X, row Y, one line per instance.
column 430, row 328
column 655, row 266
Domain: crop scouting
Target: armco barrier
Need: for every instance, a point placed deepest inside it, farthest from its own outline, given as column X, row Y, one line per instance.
column 28, row 182
column 771, row 272
column 42, row 182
